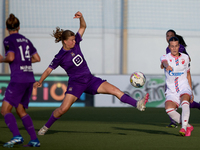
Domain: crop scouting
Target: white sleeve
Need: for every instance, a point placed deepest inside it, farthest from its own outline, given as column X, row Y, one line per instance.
column 162, row 58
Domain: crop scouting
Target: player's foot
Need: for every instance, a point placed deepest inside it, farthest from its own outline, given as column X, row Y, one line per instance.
column 33, row 143
column 182, row 132
column 43, row 130
column 15, row 140
column 172, row 125
column 189, row 130
column 141, row 103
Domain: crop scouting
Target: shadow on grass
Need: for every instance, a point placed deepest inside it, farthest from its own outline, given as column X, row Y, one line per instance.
column 78, row 132
column 145, row 131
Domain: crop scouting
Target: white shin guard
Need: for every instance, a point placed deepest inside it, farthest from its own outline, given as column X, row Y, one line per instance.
column 174, row 115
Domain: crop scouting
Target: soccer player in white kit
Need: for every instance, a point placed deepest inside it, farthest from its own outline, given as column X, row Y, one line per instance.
column 179, row 85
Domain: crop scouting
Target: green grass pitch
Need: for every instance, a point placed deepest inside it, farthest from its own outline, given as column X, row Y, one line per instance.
column 107, row 129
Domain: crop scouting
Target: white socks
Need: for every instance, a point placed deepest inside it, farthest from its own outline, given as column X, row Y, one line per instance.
column 185, row 114
column 174, row 115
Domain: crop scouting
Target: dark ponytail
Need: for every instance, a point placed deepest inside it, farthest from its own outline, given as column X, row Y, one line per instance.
column 12, row 23
column 180, row 38
column 61, row 35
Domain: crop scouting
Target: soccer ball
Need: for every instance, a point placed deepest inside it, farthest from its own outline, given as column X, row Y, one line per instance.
column 137, row 79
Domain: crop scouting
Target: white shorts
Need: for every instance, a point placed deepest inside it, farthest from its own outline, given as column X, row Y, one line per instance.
column 175, row 97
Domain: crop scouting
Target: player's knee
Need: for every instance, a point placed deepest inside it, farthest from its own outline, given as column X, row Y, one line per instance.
column 21, row 112
column 63, row 110
column 4, row 111
column 169, row 110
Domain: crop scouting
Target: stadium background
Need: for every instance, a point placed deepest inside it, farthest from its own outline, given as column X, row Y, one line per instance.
column 122, row 36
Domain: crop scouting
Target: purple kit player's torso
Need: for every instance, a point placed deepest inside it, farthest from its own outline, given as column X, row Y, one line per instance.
column 21, row 68
column 181, row 50
column 73, row 62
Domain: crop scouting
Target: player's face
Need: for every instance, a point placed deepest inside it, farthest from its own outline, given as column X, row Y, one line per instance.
column 169, row 35
column 174, row 47
column 70, row 43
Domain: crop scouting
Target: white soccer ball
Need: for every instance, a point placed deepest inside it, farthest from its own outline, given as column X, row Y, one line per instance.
column 137, row 79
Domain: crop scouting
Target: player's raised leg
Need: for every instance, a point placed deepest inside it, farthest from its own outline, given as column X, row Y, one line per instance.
column 107, row 88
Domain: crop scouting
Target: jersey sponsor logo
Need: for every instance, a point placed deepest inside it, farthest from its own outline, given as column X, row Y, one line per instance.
column 26, row 68
column 171, row 73
column 77, row 60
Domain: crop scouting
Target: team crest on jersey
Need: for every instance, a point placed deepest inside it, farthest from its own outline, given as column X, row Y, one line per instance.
column 182, row 61
column 170, row 60
column 70, row 89
column 72, row 54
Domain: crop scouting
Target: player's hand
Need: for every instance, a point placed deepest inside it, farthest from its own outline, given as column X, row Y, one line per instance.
column 169, row 68
column 161, row 66
column 78, row 15
column 37, row 84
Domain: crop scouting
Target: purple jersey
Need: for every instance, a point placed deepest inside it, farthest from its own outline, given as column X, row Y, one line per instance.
column 21, row 67
column 181, row 50
column 73, row 62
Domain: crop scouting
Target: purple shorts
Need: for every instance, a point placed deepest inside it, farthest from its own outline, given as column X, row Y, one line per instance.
column 18, row 93
column 76, row 88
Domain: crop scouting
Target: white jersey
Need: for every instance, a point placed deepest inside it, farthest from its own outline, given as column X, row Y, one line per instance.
column 176, row 80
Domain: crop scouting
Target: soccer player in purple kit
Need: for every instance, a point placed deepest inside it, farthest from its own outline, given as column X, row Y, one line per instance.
column 71, row 59
column 171, row 33
column 20, row 54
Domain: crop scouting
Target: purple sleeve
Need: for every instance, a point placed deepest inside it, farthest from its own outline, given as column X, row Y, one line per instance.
column 78, row 38
column 32, row 49
column 8, row 45
column 54, row 63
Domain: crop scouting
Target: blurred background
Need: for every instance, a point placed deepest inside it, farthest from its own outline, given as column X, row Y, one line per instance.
column 122, row 36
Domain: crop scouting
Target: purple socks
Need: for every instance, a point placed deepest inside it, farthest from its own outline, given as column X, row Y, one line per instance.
column 51, row 120
column 194, row 105
column 28, row 124
column 12, row 124
column 129, row 100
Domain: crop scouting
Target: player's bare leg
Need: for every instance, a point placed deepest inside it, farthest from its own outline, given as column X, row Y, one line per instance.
column 66, row 104
column 107, row 88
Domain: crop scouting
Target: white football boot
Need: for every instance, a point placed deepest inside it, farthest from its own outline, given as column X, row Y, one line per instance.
column 141, row 103
column 43, row 130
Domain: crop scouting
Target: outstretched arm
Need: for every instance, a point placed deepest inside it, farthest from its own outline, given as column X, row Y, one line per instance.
column 43, row 77
column 166, row 65
column 82, row 23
